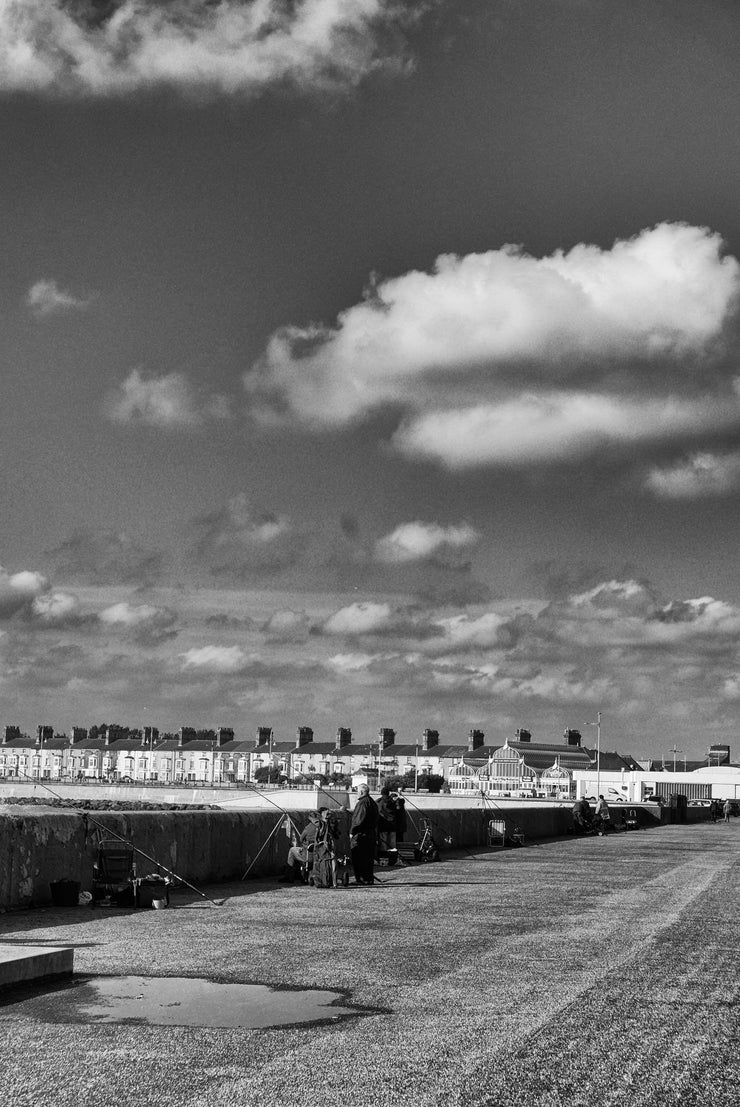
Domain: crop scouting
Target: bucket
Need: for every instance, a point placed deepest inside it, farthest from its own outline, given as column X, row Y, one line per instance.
column 65, row 893
column 149, row 891
column 159, row 904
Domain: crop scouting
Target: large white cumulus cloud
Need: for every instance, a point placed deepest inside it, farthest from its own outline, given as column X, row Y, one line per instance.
column 668, row 290
column 228, row 46
column 502, row 357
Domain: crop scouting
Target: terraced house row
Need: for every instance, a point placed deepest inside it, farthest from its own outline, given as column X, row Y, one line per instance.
column 216, row 757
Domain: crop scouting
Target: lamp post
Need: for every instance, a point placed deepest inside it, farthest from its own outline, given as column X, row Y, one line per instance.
column 597, row 724
column 151, row 754
column 675, row 751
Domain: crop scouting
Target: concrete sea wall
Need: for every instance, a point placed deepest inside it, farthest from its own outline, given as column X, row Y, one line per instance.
column 40, row 845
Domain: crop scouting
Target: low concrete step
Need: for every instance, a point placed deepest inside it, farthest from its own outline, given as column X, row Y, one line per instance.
column 24, row 964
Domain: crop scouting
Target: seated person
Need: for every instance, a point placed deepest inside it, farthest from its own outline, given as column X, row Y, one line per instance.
column 301, row 850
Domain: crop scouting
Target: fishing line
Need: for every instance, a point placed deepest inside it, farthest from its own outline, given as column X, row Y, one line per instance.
column 88, row 818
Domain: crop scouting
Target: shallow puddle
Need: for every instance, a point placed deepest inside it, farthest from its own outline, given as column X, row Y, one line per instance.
column 184, row 1001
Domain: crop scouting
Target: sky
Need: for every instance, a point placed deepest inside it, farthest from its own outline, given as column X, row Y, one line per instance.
column 372, row 363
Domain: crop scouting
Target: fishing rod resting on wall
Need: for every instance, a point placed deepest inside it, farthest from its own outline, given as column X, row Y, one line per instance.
column 88, row 818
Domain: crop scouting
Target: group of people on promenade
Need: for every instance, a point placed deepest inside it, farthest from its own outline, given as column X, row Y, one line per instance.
column 586, row 820
column 374, row 832
column 717, row 808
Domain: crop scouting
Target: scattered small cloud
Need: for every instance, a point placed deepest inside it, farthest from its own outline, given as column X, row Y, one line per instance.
column 700, row 475
column 413, row 542
column 57, row 609
column 146, row 622
column 123, row 46
column 18, row 591
column 46, row 298
column 167, row 402
column 558, row 579
column 287, row 626
column 360, row 618
column 352, row 662
column 215, row 659
column 235, row 540
column 486, row 631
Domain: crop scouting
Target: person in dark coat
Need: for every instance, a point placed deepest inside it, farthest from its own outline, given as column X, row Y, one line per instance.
column 582, row 815
column 387, row 825
column 391, row 823
column 401, row 819
column 362, row 836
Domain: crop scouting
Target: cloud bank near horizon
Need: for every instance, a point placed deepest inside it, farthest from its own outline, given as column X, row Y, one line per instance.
column 617, row 645
column 60, row 47
column 506, row 359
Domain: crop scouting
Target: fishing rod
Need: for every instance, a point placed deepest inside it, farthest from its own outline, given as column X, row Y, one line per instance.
column 283, row 812
column 443, row 831
column 321, row 790
column 88, row 818
column 491, row 807
column 345, row 810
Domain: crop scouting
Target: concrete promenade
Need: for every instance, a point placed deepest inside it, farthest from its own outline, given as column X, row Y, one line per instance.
column 578, row 971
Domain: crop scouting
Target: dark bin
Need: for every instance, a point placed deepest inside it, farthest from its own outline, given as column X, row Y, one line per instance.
column 679, row 807
column 65, row 893
column 147, row 890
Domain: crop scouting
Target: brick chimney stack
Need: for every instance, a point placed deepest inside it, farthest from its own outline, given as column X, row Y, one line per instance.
column 44, row 734
column 185, row 734
column 429, row 739
column 523, row 735
column 475, row 740
column 264, row 736
column 304, row 735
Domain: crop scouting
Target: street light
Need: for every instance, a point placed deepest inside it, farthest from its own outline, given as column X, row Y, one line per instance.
column 675, row 751
column 597, row 724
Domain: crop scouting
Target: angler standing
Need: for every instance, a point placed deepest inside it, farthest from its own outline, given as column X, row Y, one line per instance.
column 362, row 836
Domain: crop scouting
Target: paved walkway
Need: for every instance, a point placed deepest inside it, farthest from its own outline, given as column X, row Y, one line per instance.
column 590, row 971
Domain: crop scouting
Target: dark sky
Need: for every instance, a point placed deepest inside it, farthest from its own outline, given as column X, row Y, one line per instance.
column 237, row 385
